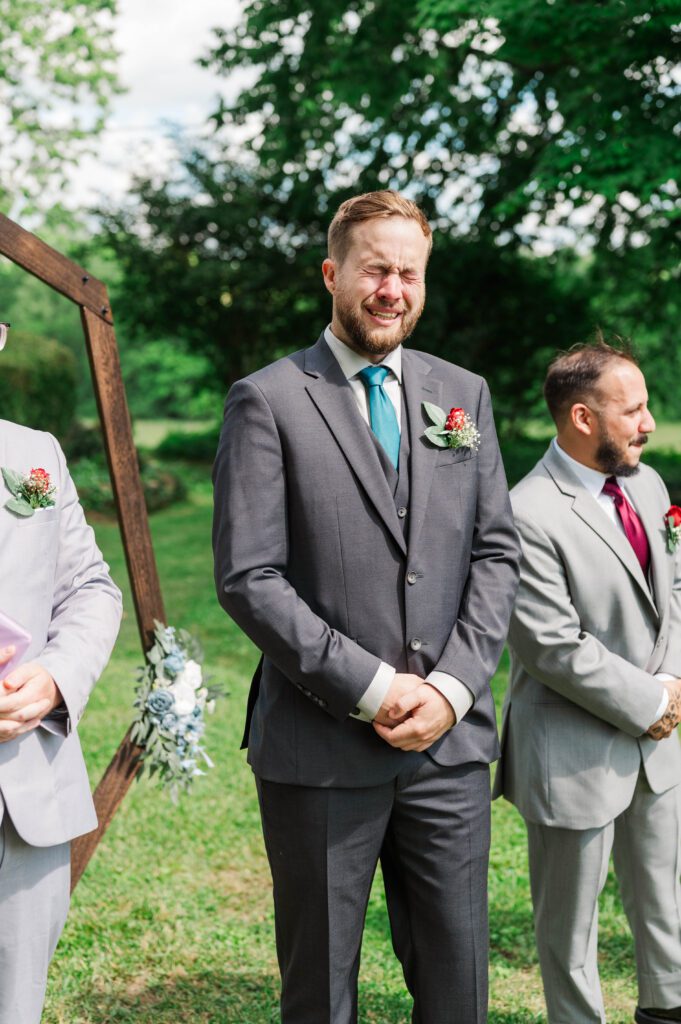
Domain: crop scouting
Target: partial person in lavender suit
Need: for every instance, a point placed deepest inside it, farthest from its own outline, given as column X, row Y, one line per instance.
column 375, row 571
column 56, row 586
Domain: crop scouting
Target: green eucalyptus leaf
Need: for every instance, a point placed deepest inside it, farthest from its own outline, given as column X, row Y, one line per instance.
column 13, row 480
column 434, row 434
column 19, row 506
column 434, row 413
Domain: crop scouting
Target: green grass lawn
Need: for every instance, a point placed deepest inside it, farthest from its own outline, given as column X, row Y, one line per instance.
column 172, row 921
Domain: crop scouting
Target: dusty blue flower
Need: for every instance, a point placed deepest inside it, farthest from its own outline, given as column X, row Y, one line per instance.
column 174, row 663
column 169, row 721
column 159, row 701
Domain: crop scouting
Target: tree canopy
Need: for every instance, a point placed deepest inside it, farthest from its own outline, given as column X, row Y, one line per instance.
column 540, row 138
column 57, row 76
column 501, row 117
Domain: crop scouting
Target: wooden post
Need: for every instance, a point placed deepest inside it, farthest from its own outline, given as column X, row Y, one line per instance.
column 91, row 296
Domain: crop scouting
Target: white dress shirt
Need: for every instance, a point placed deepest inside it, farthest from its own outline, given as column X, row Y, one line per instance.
column 351, row 363
column 593, row 480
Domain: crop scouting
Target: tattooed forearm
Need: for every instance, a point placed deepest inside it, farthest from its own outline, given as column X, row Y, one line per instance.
column 670, row 719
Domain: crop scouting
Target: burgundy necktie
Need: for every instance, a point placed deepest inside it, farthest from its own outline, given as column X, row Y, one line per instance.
column 633, row 527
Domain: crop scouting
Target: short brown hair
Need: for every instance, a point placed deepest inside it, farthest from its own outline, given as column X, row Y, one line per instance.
column 573, row 376
column 385, row 203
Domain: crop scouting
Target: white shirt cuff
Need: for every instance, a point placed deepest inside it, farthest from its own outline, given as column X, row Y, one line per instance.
column 664, row 677
column 370, row 702
column 456, row 692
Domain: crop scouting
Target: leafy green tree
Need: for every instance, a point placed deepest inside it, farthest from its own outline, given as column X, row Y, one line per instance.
column 496, row 117
column 522, row 129
column 218, row 260
column 56, row 59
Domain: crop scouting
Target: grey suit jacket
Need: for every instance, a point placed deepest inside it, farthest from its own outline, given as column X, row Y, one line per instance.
column 55, row 583
column 311, row 560
column 587, row 636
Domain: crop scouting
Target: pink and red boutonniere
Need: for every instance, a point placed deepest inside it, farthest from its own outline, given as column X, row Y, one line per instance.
column 454, row 429
column 672, row 522
column 29, row 493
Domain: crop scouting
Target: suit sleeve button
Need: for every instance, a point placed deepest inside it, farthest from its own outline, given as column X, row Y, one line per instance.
column 415, row 644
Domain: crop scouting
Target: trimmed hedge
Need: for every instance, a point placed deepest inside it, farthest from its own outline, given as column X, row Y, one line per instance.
column 38, row 380
column 194, row 447
column 162, row 486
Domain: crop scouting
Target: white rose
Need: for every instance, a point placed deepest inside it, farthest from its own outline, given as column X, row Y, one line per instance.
column 190, row 675
column 184, row 696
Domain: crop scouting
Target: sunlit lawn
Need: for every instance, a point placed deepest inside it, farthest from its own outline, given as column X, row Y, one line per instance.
column 172, row 921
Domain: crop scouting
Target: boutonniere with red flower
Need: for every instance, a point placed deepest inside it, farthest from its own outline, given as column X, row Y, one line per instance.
column 454, row 429
column 672, row 522
column 30, row 492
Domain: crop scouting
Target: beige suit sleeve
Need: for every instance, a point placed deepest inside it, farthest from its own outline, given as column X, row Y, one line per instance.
column 547, row 637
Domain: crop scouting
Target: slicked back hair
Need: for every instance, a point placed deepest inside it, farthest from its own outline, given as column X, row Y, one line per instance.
column 574, row 376
column 368, row 206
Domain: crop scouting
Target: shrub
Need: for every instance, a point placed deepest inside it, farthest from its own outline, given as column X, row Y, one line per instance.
column 83, row 442
column 162, row 486
column 38, row 381
column 164, row 379
column 190, row 447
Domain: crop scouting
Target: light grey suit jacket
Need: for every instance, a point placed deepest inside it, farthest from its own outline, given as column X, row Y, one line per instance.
column 587, row 636
column 55, row 584
column 314, row 562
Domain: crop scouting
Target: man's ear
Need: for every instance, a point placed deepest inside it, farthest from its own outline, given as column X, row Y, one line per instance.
column 329, row 271
column 582, row 419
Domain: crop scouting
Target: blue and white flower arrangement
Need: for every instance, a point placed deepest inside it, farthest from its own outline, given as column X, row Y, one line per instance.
column 172, row 701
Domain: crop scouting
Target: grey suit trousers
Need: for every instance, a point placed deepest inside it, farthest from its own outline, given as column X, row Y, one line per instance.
column 34, row 901
column 430, row 828
column 568, row 869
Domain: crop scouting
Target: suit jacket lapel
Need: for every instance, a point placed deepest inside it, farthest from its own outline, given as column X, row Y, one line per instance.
column 661, row 565
column 419, row 386
column 586, row 507
column 331, row 393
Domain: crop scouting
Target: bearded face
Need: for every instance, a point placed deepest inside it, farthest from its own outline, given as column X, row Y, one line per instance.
column 379, row 287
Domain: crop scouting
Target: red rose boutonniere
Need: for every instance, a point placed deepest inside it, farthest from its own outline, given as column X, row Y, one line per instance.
column 672, row 522
column 29, row 492
column 451, row 430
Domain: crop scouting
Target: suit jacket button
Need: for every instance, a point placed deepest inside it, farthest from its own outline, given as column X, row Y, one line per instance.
column 412, row 577
column 401, row 511
column 415, row 644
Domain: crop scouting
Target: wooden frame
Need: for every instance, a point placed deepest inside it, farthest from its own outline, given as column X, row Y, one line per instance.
column 72, row 281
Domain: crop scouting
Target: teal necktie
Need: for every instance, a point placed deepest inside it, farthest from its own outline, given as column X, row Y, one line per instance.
column 382, row 411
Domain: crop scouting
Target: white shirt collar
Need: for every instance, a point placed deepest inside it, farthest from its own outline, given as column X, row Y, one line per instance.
column 351, row 362
column 592, row 479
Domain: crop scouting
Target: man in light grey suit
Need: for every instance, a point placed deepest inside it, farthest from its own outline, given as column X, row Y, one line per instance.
column 56, row 586
column 590, row 753
column 375, row 571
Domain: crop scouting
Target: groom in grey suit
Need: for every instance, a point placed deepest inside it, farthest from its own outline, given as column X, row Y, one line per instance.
column 590, row 753
column 55, row 585
column 375, row 571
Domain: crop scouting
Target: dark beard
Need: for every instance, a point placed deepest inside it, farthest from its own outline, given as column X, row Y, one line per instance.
column 361, row 339
column 609, row 458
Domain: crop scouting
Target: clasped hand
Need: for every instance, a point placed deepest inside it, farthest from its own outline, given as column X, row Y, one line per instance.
column 414, row 714
column 665, row 726
column 27, row 694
